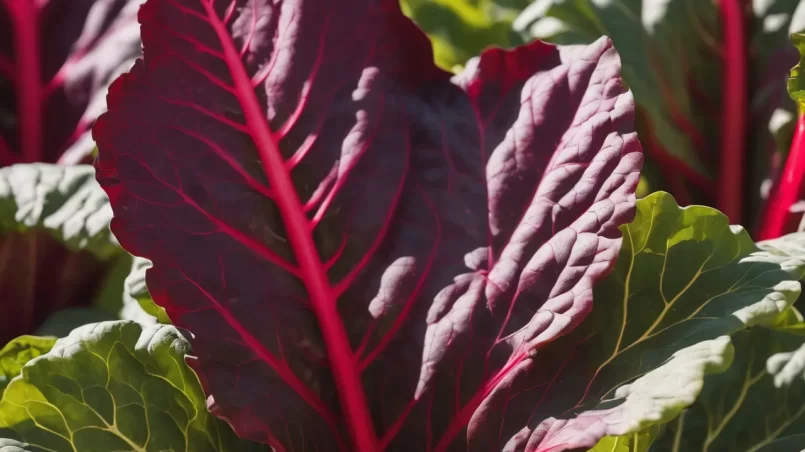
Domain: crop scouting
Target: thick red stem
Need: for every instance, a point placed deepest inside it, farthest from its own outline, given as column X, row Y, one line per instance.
column 787, row 189
column 25, row 23
column 733, row 111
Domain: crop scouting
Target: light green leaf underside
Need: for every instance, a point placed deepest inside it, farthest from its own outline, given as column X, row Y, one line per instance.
column 757, row 405
column 461, row 29
column 68, row 203
column 9, row 445
column 137, row 302
column 685, row 281
column 113, row 386
column 18, row 352
column 64, row 200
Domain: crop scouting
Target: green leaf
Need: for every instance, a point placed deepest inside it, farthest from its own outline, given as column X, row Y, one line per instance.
column 791, row 245
column 114, row 386
column 796, row 83
column 461, row 29
column 757, row 405
column 9, row 445
column 685, row 281
column 66, row 201
column 635, row 442
column 137, row 302
column 18, row 352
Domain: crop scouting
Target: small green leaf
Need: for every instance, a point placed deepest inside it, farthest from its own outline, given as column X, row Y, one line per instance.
column 796, row 82
column 114, row 386
column 635, row 442
column 137, row 302
column 757, row 405
column 18, row 352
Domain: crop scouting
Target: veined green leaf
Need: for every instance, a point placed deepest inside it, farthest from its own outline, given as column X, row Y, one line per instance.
column 757, row 405
column 18, row 352
column 113, row 386
column 684, row 283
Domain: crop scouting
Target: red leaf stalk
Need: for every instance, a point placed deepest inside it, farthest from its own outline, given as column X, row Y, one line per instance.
column 733, row 112
column 25, row 23
column 786, row 192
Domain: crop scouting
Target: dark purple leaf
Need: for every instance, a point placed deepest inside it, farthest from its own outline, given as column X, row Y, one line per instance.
column 57, row 58
column 366, row 250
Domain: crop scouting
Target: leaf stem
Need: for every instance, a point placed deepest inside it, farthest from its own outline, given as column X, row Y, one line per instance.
column 733, row 111
column 786, row 190
column 24, row 16
column 346, row 374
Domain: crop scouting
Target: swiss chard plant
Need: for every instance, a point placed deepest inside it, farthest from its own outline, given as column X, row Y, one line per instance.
column 342, row 246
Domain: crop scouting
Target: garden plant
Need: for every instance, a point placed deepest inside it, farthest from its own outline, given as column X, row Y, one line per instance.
column 417, row 225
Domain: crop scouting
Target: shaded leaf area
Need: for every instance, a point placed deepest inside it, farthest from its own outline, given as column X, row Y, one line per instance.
column 461, row 29
column 113, row 386
column 60, row 323
column 56, row 248
column 365, row 247
column 684, row 282
column 18, row 352
column 757, row 405
column 772, row 112
column 57, row 59
column 672, row 60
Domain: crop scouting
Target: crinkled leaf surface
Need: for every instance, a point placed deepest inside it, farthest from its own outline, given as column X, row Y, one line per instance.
column 57, row 58
column 137, row 302
column 364, row 248
column 757, row 405
column 18, row 352
column 635, row 442
column 114, row 386
column 55, row 244
column 684, row 282
column 10, row 445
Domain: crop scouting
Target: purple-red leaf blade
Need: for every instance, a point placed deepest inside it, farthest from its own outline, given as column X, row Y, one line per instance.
column 365, row 249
